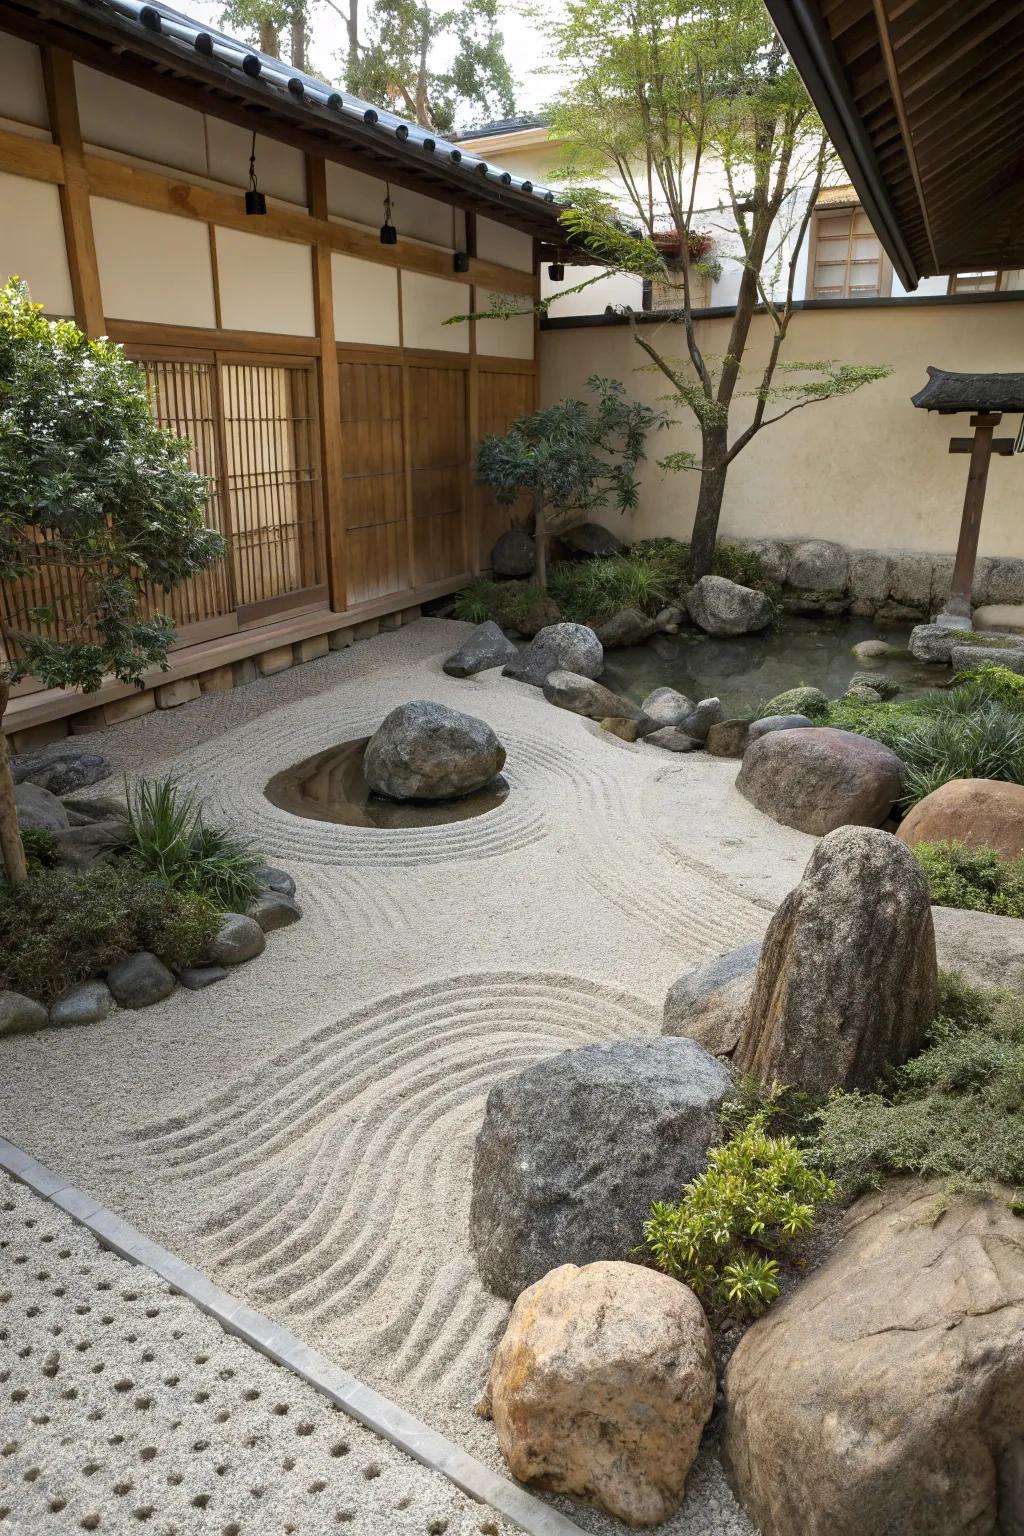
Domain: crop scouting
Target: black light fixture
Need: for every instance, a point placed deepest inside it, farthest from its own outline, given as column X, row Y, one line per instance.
column 388, row 232
column 460, row 262
column 556, row 272
column 255, row 202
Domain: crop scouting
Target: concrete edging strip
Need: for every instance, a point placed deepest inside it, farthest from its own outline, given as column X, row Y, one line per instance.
column 377, row 1413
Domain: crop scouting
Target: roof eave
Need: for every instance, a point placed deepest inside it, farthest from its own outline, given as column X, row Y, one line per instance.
column 811, row 50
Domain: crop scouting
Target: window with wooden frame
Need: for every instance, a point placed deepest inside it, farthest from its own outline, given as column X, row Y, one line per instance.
column 659, row 295
column 977, row 282
column 846, row 258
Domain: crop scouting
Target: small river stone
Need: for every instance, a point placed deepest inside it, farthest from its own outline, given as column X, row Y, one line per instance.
column 85, row 1004
column 239, row 938
column 776, row 723
column 273, row 910
column 19, row 1013
column 196, row 977
column 140, row 980
column 672, row 740
column 275, row 880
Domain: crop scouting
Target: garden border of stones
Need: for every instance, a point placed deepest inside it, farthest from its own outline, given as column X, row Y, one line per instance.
column 285, row 1349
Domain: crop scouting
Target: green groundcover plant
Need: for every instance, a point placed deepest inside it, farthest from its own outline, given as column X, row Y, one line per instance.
column 168, row 837
column 757, row 1195
column 58, row 929
column 978, row 879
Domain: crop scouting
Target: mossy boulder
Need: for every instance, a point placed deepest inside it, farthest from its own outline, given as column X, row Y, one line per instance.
column 798, row 701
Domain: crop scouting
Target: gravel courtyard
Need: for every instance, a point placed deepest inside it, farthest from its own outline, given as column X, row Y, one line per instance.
column 303, row 1131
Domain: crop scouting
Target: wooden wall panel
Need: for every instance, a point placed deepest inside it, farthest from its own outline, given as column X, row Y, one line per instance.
column 374, row 479
column 438, row 449
column 503, row 398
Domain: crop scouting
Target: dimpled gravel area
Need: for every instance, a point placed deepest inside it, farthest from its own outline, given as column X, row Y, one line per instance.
column 125, row 1408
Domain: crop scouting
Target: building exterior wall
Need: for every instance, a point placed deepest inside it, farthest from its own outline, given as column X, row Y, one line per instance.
column 869, row 471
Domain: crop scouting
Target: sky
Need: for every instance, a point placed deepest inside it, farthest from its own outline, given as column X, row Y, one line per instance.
column 523, row 48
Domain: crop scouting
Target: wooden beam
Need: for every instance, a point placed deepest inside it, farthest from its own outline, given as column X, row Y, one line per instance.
column 150, row 189
column 62, row 102
column 895, row 85
column 22, row 156
column 328, row 393
column 1001, row 445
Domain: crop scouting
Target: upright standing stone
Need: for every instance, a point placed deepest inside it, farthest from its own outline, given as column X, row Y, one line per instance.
column 847, row 982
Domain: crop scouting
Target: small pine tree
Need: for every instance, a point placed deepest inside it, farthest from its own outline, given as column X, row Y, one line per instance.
column 89, row 485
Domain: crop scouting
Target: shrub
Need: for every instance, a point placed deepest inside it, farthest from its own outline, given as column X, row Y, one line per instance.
column 57, row 929
column 167, row 837
column 591, row 591
column 976, row 878
column 40, row 848
column 954, row 1112
column 756, row 1196
column 503, row 601
column 996, row 683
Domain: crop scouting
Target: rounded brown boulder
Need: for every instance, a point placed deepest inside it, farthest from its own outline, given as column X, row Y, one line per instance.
column 602, row 1385
column 982, row 813
column 819, row 778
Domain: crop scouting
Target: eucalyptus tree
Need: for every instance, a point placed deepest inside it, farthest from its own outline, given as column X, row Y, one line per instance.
column 679, row 114
column 98, row 505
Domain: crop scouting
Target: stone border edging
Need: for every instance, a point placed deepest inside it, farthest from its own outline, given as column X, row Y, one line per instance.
column 360, row 1402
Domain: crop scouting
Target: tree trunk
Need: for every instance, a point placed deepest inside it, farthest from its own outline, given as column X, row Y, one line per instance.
column 709, row 504
column 270, row 43
column 298, row 36
column 540, row 542
column 12, row 850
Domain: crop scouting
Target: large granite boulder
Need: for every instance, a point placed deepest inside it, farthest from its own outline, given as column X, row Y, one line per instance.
column 819, row 565
column 847, row 981
column 667, row 706
column 982, row 813
column 710, row 1004
column 584, row 696
column 558, row 648
column 601, row 1387
column 936, row 642
column 38, row 808
column 488, row 646
column 91, row 842
column 984, row 948
column 591, row 540
column 573, row 1150
column 818, row 778
column 60, row 772
column 426, row 751
column 513, row 556
column 238, row 939
column 886, row 1393
column 964, row 658
column 629, row 627
column 774, row 556
column 722, row 607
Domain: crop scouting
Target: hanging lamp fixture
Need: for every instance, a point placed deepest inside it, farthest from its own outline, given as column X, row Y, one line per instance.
column 388, row 232
column 255, row 202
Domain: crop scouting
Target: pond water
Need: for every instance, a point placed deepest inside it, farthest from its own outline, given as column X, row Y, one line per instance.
column 330, row 787
column 745, row 671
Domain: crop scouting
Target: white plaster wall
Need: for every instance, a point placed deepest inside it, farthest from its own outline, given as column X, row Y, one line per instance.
column 32, row 241
column 503, row 338
column 153, row 266
column 22, row 93
column 869, row 470
column 355, row 198
column 365, row 301
column 116, row 115
column 264, row 284
column 510, row 247
column 280, row 169
column 427, row 302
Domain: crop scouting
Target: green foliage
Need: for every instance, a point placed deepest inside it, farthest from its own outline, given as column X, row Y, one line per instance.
column 88, row 481
column 40, row 848
column 591, row 591
column 573, row 457
column 506, row 602
column 57, row 930
column 955, row 1112
column 756, row 1196
column 978, row 879
column 996, row 683
column 167, row 837
column 965, row 734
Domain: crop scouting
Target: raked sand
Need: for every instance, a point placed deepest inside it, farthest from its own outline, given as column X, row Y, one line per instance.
column 304, row 1130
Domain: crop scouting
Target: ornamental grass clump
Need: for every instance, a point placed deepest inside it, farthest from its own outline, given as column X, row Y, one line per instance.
column 954, row 1112
column 757, row 1195
column 166, row 836
column 978, row 879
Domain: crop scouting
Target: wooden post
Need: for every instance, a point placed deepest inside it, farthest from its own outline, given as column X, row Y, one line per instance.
column 472, row 504
column 980, row 449
column 328, row 395
column 62, row 102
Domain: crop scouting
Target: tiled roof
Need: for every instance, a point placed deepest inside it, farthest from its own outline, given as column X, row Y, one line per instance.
column 502, row 125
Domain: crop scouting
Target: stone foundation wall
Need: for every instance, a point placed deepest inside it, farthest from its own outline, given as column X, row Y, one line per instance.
column 890, row 585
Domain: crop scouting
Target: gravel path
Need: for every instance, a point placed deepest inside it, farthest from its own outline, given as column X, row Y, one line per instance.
column 124, row 1407
column 304, row 1131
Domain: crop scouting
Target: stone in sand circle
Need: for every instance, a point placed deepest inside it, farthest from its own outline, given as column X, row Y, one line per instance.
column 426, row 751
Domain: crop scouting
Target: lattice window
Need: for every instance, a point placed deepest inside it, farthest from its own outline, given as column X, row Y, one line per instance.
column 847, row 261
column 977, row 282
